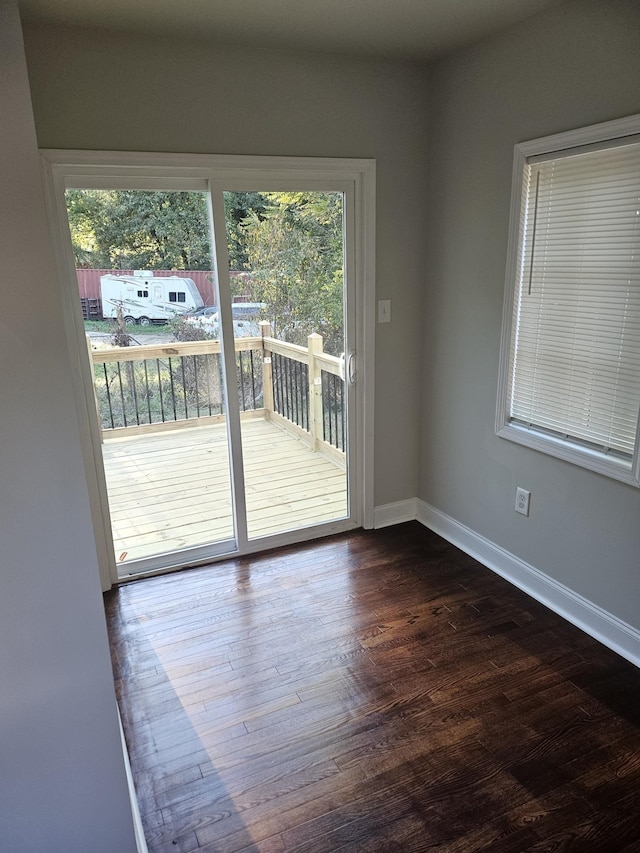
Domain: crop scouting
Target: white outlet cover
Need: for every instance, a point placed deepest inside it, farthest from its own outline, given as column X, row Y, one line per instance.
column 523, row 498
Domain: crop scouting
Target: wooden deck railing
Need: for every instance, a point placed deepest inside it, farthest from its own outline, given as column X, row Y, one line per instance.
column 167, row 386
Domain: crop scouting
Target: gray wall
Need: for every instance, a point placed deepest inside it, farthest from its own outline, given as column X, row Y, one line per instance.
column 62, row 773
column 99, row 91
column 575, row 65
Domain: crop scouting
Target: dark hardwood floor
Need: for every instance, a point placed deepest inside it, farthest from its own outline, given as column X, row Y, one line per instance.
column 379, row 691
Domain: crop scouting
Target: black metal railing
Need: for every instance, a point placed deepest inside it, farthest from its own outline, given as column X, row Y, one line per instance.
column 333, row 412
column 175, row 388
column 150, row 391
column 249, row 377
column 172, row 387
column 291, row 389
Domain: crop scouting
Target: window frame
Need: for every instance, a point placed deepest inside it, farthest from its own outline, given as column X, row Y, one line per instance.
column 581, row 454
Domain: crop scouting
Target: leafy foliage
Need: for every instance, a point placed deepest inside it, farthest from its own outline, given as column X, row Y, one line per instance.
column 238, row 206
column 183, row 331
column 295, row 250
column 136, row 229
column 121, row 336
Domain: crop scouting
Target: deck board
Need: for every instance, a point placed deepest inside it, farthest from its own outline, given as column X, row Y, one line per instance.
column 171, row 490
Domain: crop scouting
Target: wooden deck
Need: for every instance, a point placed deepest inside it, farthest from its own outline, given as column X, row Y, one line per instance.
column 171, row 490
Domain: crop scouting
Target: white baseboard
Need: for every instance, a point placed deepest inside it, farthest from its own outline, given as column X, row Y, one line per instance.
column 141, row 843
column 589, row 617
column 396, row 513
column 584, row 614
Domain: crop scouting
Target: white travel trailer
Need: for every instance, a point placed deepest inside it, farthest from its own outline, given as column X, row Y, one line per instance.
column 146, row 299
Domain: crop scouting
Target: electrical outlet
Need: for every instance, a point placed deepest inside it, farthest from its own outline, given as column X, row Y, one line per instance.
column 523, row 498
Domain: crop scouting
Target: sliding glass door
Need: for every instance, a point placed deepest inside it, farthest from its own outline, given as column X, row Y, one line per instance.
column 219, row 333
column 144, row 261
column 287, row 279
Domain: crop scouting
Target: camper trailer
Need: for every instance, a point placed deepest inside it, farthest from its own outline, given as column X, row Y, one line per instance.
column 146, row 299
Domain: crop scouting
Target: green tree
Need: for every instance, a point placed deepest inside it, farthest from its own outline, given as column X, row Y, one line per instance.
column 85, row 210
column 137, row 229
column 134, row 229
column 238, row 207
column 296, row 256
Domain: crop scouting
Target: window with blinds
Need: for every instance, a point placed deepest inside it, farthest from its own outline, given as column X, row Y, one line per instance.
column 570, row 379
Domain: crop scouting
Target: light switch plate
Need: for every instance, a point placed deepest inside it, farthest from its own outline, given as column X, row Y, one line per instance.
column 384, row 310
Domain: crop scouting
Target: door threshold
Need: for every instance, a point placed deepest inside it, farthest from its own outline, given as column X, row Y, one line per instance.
column 255, row 546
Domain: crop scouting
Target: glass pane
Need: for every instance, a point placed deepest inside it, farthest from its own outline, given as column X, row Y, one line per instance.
column 144, row 276
column 286, row 258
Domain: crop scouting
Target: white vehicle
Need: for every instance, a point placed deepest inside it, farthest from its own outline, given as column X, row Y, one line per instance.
column 146, row 299
column 245, row 319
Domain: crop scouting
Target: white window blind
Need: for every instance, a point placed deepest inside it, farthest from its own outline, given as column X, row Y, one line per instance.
column 574, row 365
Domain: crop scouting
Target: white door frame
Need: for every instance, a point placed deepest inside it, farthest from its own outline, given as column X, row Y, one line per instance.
column 89, row 169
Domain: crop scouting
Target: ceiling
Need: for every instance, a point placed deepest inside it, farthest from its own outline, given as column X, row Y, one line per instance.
column 400, row 29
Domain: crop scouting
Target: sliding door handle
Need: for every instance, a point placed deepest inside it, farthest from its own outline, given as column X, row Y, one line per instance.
column 351, row 368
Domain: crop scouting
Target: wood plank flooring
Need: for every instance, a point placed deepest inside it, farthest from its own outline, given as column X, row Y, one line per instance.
column 171, row 490
column 378, row 691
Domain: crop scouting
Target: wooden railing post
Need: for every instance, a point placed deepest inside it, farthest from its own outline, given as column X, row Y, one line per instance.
column 267, row 369
column 314, row 344
column 95, row 390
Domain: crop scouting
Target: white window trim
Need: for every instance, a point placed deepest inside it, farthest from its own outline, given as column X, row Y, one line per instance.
column 627, row 471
